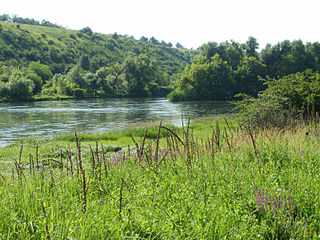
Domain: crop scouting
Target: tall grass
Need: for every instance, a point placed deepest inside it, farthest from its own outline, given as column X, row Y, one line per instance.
column 205, row 181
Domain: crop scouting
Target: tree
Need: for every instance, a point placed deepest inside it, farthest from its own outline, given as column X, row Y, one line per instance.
column 178, row 45
column 37, row 81
column 75, row 76
column 86, row 30
column 20, row 88
column 4, row 90
column 144, row 39
column 84, row 62
column 247, row 76
column 208, row 79
column 251, row 46
column 139, row 72
column 154, row 41
column 41, row 70
column 91, row 82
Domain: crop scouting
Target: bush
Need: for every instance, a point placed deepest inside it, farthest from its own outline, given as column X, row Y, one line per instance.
column 283, row 101
column 37, row 81
column 20, row 89
column 79, row 92
column 4, row 90
column 179, row 95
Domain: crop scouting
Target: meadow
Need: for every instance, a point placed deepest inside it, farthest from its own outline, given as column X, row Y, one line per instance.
column 211, row 179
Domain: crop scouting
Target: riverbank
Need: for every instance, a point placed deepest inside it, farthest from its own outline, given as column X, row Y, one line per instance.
column 212, row 180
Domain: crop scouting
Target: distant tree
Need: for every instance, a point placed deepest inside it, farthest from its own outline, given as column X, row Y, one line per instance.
column 4, row 90
column 154, row 41
column 314, row 50
column 5, row 18
column 139, row 72
column 20, row 88
column 247, row 76
column 144, row 39
column 84, row 62
column 49, row 24
column 98, row 61
column 115, row 36
column 37, row 82
column 86, row 30
column 102, row 82
column 178, row 45
column 75, row 76
column 287, row 57
column 73, row 36
column 210, row 49
column 91, row 82
column 41, row 70
column 251, row 47
column 207, row 79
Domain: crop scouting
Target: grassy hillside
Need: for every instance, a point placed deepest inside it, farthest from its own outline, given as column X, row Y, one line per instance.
column 40, row 62
column 58, row 48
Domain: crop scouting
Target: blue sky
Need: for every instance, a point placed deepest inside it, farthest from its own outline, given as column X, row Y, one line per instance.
column 191, row 23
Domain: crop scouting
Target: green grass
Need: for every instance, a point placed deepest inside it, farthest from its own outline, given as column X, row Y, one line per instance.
column 210, row 188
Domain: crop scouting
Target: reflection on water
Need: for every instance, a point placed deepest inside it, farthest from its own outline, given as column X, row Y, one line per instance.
column 45, row 119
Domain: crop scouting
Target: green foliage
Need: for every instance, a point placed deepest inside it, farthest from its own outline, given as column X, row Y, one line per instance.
column 4, row 91
column 207, row 79
column 251, row 47
column 37, row 81
column 50, row 51
column 20, row 88
column 139, row 72
column 75, row 76
column 247, row 76
column 247, row 66
column 86, row 30
column 179, row 95
column 284, row 100
column 41, row 70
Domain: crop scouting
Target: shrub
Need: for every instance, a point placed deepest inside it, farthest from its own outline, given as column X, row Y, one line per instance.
column 79, row 92
column 20, row 89
column 283, row 101
column 4, row 90
column 178, row 95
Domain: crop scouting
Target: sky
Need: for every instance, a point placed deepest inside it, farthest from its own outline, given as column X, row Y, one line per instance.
column 191, row 23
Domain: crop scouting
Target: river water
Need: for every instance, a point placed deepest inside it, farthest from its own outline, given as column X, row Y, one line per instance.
column 49, row 118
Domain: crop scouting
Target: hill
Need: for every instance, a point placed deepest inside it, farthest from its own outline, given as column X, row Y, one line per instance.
column 113, row 61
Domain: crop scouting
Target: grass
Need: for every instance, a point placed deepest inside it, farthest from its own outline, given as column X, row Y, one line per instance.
column 213, row 185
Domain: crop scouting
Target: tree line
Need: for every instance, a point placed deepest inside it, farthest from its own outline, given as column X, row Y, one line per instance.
column 225, row 69
column 30, row 21
column 55, row 62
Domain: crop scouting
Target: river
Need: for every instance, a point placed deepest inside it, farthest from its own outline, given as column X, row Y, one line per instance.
column 49, row 118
